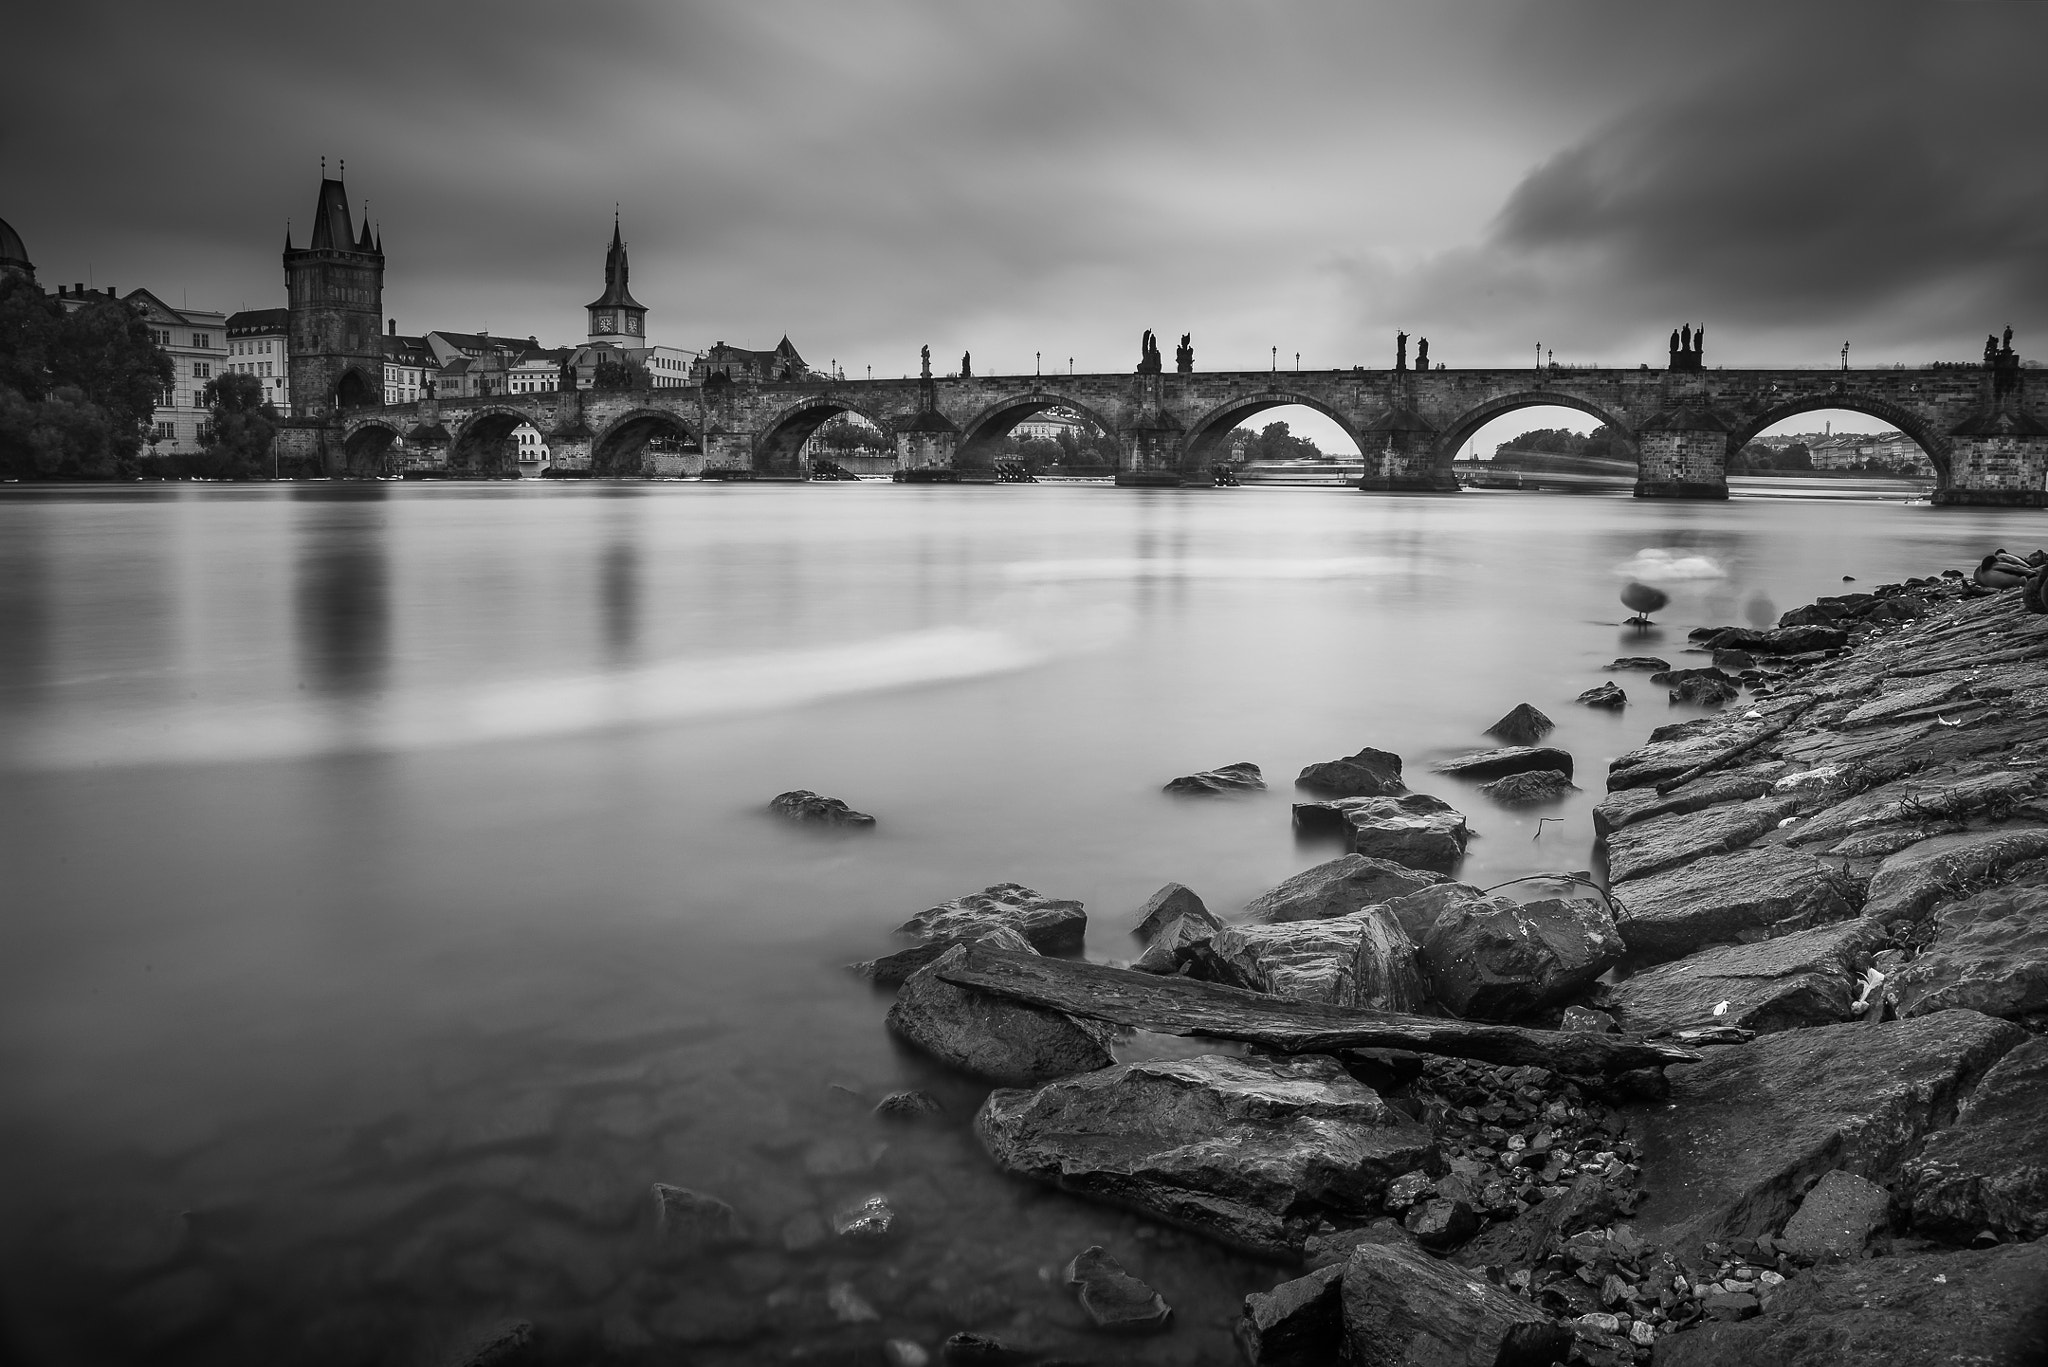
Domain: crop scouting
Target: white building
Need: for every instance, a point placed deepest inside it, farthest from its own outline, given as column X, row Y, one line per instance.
column 256, row 346
column 408, row 364
column 196, row 341
column 533, row 452
column 1048, row 425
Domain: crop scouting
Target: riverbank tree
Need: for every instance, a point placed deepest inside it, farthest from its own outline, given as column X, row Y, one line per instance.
column 77, row 386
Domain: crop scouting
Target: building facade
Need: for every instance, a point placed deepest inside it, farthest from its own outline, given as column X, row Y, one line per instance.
column 408, row 365
column 257, row 342
column 196, row 340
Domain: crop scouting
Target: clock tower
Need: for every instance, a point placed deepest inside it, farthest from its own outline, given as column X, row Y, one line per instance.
column 617, row 318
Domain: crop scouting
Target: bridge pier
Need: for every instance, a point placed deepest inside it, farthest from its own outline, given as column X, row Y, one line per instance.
column 1400, row 452
column 1683, row 454
column 1151, row 442
column 2000, row 460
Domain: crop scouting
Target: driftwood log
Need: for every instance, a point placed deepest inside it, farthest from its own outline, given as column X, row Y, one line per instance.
column 1184, row 1006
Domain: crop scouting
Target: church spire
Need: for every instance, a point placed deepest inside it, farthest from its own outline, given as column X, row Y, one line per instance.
column 616, row 316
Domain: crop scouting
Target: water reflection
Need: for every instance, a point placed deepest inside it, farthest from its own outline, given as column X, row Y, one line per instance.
column 343, row 598
column 619, row 601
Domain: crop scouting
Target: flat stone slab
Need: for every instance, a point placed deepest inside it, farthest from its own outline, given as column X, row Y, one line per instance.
column 1052, row 926
column 1338, row 888
column 1752, row 893
column 1529, row 788
column 1837, row 1219
column 1362, row 960
column 1677, row 747
column 1989, row 1170
column 1990, row 954
column 1909, row 884
column 1251, row 1152
column 1787, row 983
column 1665, row 842
column 1746, row 1132
column 1403, row 1308
column 1242, row 777
column 1984, row 1308
column 893, row 970
column 1005, row 1041
column 1918, row 798
column 1631, row 805
column 1505, row 760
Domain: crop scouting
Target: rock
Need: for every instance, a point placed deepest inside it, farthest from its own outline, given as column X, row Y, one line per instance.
column 805, row 807
column 1369, row 773
column 1242, row 777
column 904, row 1353
column 1639, row 662
column 1989, row 1170
column 1529, row 788
column 1674, row 677
column 893, row 970
column 492, row 1343
column 1181, row 941
column 1337, row 888
column 1584, row 1018
column 1749, row 1128
column 1522, row 726
column 1170, row 903
column 1987, row 1307
column 1730, row 1305
column 1052, row 927
column 1779, row 640
column 911, row 1105
column 867, row 1222
column 1496, row 959
column 1764, row 890
column 1948, row 791
column 1989, row 953
column 1418, row 911
column 1424, row 834
column 1510, row 759
column 1441, row 1225
column 1298, row 1323
column 1007, row 1042
column 1252, row 1152
column 1787, row 983
column 1608, row 695
column 686, row 1219
column 1631, row 805
column 1705, row 693
column 1910, row 882
column 1837, row 1218
column 1734, row 659
column 848, row 1306
column 1363, row 960
column 1333, row 816
column 1113, row 1298
column 1405, row 1309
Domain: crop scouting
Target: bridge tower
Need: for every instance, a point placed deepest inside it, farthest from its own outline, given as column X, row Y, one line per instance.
column 616, row 317
column 336, row 297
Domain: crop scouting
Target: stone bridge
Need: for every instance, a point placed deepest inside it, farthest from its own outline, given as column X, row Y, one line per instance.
column 1985, row 428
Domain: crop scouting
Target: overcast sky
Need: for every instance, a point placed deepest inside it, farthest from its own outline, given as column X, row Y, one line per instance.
column 1038, row 177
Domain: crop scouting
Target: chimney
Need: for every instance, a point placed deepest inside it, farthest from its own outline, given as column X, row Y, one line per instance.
column 79, row 289
column 110, row 291
column 394, row 326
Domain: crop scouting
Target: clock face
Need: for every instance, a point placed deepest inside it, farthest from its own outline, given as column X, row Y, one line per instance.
column 632, row 323
column 607, row 322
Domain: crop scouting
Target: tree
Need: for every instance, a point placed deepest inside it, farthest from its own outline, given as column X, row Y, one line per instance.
column 236, row 443
column 77, row 386
column 616, row 377
column 1039, row 452
column 1795, row 457
column 1276, row 442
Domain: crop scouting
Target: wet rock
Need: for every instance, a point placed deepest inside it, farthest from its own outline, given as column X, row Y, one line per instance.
column 1113, row 1298
column 1837, row 1219
column 1252, row 1152
column 1989, row 953
column 848, row 1306
column 1989, row 1170
column 1591, row 1021
column 1181, row 941
column 1052, row 926
column 1334, row 816
column 1007, row 1042
column 1530, row 788
column 868, row 1222
column 1369, row 773
column 1986, row 1307
column 1787, row 983
column 1510, row 759
column 1337, row 888
column 1677, row 747
column 1705, row 693
column 1418, row 911
column 970, row 1349
column 1363, row 960
column 893, row 970
column 1608, row 695
column 1441, row 1225
column 904, row 1353
column 1497, row 959
column 1632, row 805
column 807, row 808
column 1417, row 831
column 1909, row 883
column 1950, row 791
column 1639, row 662
column 1242, row 777
column 1748, row 1129
column 1167, row 905
column 910, row 1105
column 1734, row 659
column 1405, row 1309
column 688, row 1220
column 1763, row 890
column 1779, row 640
column 1522, row 726
column 1674, row 677
column 1299, row 1323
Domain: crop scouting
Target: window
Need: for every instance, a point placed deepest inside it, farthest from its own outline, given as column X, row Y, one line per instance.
column 202, row 370
column 200, row 339
column 166, row 430
column 160, row 336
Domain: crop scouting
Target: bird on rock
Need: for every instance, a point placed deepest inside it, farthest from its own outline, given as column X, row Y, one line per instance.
column 1644, row 600
column 2003, row 570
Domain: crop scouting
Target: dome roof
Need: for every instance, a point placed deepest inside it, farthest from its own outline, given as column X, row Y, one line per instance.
column 12, row 250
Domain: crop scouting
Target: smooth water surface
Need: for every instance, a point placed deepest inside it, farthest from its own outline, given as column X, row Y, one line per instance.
column 389, row 903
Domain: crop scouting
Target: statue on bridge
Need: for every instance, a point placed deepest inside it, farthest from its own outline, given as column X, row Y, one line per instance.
column 1184, row 354
column 966, row 366
column 1688, row 345
column 1400, row 351
column 1148, row 355
column 1422, row 354
column 925, row 356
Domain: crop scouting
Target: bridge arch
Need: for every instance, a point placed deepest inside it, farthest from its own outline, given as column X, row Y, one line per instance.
column 366, row 445
column 1204, row 443
column 483, row 444
column 979, row 433
column 779, row 448
column 1928, row 439
column 617, row 450
column 1471, row 420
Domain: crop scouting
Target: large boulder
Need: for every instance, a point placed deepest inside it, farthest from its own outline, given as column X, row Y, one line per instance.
column 1418, row 911
column 1403, row 1308
column 1609, row 695
column 1362, row 960
column 1369, row 773
column 1337, row 888
column 806, row 808
column 1988, row 1308
column 1748, row 1130
column 1665, row 842
column 1761, row 891
column 1299, row 1323
column 1169, row 904
column 1990, row 954
column 1008, row 1042
column 893, row 970
column 1788, row 983
column 1508, row 759
column 1242, row 777
column 1052, row 926
column 1837, row 1218
column 1497, row 959
column 1251, row 1152
column 1909, row 883
column 1417, row 831
column 1524, row 725
column 1678, row 747
column 1989, row 1170
column 1779, row 640
column 1529, row 788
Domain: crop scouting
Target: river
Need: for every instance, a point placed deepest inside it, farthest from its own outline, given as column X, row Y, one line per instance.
column 389, row 901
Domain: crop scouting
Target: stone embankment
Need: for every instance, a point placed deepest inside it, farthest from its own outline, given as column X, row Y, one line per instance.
column 1771, row 1086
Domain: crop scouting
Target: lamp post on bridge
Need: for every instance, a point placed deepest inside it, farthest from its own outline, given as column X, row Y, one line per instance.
column 1276, row 360
column 1845, row 356
column 1038, row 365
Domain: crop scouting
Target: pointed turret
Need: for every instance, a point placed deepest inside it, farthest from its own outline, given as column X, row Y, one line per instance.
column 616, row 316
column 332, row 227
